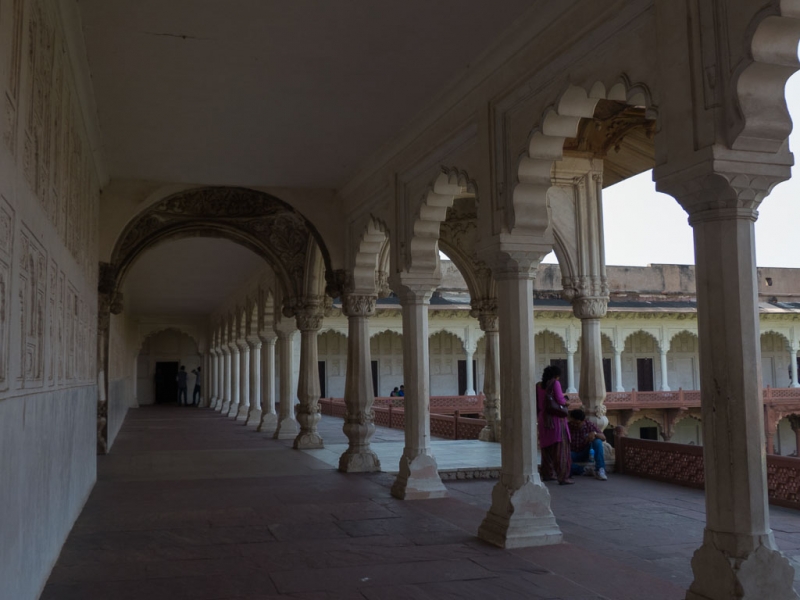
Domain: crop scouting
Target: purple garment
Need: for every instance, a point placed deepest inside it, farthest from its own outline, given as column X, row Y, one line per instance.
column 548, row 437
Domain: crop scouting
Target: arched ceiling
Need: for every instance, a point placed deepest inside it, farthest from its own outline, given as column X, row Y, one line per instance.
column 272, row 92
column 188, row 277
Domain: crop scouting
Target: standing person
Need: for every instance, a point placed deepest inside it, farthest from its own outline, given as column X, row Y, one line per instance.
column 181, row 379
column 585, row 436
column 552, row 413
column 198, row 378
column 395, row 392
column 402, row 391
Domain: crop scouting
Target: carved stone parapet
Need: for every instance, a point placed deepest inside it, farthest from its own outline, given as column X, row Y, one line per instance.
column 359, row 305
column 590, row 308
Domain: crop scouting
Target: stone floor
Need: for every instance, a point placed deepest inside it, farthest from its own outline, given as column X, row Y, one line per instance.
column 190, row 505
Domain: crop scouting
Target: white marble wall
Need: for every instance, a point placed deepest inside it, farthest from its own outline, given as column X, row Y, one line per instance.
column 166, row 346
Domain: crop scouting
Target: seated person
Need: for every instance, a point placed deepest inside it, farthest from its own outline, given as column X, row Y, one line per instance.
column 585, row 436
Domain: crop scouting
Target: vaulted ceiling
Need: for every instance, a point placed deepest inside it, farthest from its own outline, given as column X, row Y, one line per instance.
column 272, row 92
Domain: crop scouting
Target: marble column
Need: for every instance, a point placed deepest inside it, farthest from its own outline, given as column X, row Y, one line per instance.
column 571, row 370
column 359, row 425
column 469, row 350
column 418, row 476
column 214, row 378
column 309, row 321
column 486, row 312
column 244, row 381
column 520, row 514
column 269, row 418
column 794, row 421
column 287, row 427
column 592, row 390
column 226, row 383
column 738, row 557
column 618, row 371
column 235, row 372
column 254, row 414
column 664, row 370
column 793, row 348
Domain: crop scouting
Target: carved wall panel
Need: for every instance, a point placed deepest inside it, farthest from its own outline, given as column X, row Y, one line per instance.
column 11, row 96
column 32, row 296
column 6, row 244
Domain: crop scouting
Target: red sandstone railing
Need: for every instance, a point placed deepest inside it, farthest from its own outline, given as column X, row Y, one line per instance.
column 450, row 426
column 683, row 464
column 441, row 405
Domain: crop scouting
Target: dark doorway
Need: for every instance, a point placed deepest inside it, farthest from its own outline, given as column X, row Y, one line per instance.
column 607, row 373
column 648, row 433
column 166, row 381
column 644, row 375
column 322, row 379
column 462, row 376
column 561, row 363
column 375, row 378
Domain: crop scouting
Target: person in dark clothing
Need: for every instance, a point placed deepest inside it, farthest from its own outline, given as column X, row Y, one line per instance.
column 198, row 378
column 181, row 378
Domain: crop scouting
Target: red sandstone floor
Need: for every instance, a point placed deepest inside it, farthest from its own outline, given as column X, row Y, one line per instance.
column 190, row 505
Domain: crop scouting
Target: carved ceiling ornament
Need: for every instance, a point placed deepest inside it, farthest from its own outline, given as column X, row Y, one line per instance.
column 257, row 220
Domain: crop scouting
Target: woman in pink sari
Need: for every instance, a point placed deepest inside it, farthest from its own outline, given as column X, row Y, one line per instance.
column 553, row 430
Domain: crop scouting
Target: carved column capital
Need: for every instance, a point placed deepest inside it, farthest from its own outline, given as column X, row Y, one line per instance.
column 485, row 310
column 590, row 307
column 357, row 305
column 254, row 342
column 723, row 186
column 309, row 313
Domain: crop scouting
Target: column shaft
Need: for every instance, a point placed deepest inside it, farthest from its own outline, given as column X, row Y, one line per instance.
column 571, row 371
column 226, row 389
column 664, row 373
column 254, row 414
column 287, row 427
column 593, row 383
column 418, row 477
column 738, row 557
column 359, row 425
column 618, row 371
column 269, row 419
column 235, row 372
column 244, row 385
column 487, row 317
column 520, row 514
column 793, row 366
column 309, row 321
column 470, row 375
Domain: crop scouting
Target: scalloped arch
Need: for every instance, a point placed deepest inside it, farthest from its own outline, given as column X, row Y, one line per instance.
column 423, row 247
column 673, row 334
column 762, row 122
column 176, row 328
column 645, row 332
column 372, row 249
column 531, row 213
column 553, row 332
column 783, row 334
column 398, row 332
column 456, row 333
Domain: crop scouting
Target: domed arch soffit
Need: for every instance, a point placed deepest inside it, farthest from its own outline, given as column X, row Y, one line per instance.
column 257, row 220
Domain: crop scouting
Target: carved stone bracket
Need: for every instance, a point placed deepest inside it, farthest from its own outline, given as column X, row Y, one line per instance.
column 308, row 312
column 485, row 310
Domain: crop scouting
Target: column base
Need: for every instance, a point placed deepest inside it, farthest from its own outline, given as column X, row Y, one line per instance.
column 487, row 434
column 243, row 412
column 520, row 518
column 756, row 574
column 223, row 408
column 268, row 422
column 308, row 440
column 418, row 479
column 233, row 410
column 253, row 417
column 212, row 403
column 359, row 461
column 287, row 429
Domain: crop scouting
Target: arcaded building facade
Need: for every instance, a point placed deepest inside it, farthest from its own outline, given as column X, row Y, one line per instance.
column 344, row 145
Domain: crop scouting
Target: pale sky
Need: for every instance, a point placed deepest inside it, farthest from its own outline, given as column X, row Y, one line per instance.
column 644, row 227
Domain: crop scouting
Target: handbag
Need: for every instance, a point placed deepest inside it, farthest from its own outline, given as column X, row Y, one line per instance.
column 551, row 405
